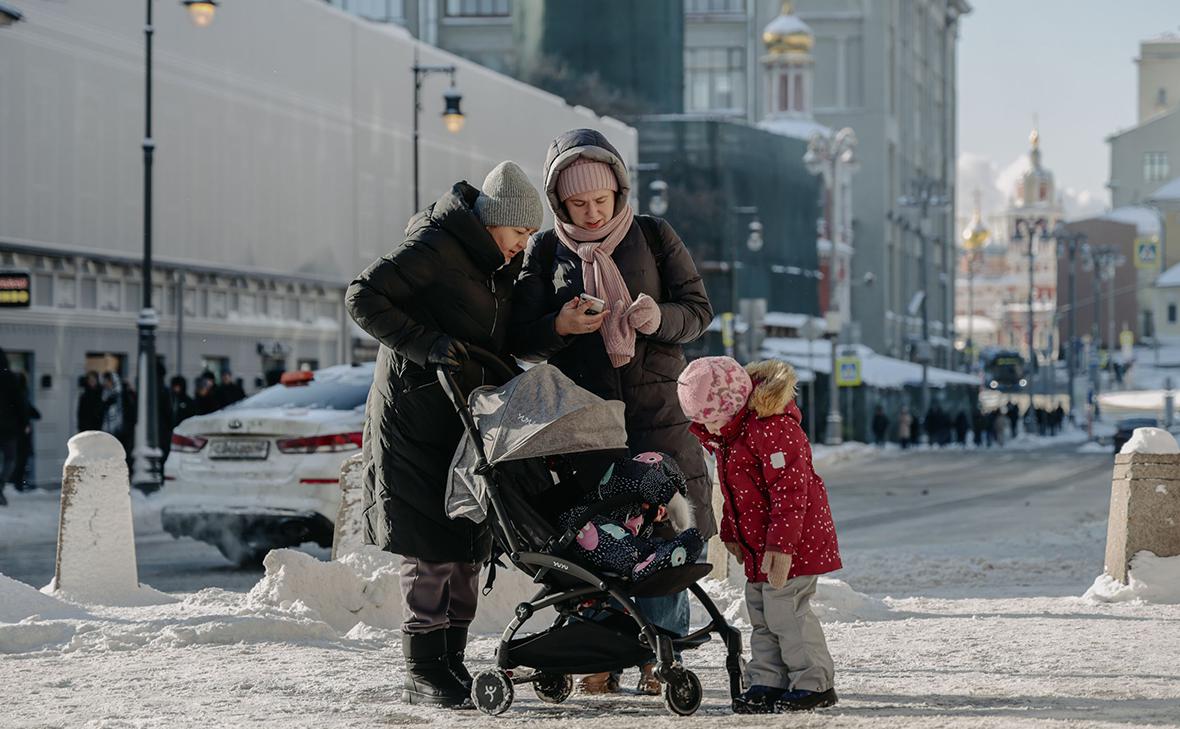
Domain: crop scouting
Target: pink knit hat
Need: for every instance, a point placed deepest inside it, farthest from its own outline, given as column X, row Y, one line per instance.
column 713, row 388
column 585, row 175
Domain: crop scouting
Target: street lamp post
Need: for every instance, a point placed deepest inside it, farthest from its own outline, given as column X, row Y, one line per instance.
column 1031, row 228
column 145, row 454
column 926, row 194
column 834, row 159
column 1071, row 244
column 452, row 116
column 975, row 236
column 1103, row 260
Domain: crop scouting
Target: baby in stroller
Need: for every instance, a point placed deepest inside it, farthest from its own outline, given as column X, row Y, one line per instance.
column 622, row 538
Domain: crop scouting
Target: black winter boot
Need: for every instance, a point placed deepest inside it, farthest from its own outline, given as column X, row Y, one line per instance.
column 429, row 680
column 456, row 645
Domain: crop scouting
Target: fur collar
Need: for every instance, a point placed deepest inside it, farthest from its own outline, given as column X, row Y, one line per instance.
column 775, row 385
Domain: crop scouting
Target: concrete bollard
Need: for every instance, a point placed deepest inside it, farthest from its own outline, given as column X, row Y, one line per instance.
column 96, row 540
column 350, row 532
column 1144, row 509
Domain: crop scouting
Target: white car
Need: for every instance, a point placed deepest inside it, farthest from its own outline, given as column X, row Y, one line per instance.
column 264, row 472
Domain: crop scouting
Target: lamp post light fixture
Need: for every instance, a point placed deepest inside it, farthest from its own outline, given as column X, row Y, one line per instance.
column 145, row 454
column 9, row 15
column 201, row 11
column 452, row 115
column 1031, row 229
column 1072, row 244
column 658, row 203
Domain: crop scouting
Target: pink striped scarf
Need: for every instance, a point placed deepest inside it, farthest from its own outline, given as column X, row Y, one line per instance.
column 602, row 278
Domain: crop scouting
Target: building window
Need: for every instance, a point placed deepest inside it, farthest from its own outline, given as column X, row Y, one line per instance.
column 714, row 7
column 715, row 79
column 478, row 8
column 1171, row 313
column 1155, row 166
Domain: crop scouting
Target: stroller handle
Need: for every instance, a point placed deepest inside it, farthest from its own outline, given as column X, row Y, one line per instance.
column 500, row 368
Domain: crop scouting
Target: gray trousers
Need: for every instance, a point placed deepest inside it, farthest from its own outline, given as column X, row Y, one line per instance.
column 787, row 647
column 438, row 594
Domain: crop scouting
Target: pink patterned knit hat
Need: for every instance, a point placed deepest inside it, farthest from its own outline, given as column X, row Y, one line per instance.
column 585, row 175
column 713, row 388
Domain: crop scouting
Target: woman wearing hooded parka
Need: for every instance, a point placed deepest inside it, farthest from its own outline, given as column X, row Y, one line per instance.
column 446, row 286
column 655, row 302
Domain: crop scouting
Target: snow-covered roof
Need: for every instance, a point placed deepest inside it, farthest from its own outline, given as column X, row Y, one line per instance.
column 977, row 324
column 1145, row 219
column 877, row 370
column 793, row 321
column 1170, row 192
column 794, row 127
column 1169, row 278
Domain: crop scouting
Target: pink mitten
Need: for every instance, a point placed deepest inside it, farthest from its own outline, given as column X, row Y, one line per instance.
column 644, row 315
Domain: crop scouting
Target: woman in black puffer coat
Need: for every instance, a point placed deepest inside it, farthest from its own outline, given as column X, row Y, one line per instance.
column 447, row 285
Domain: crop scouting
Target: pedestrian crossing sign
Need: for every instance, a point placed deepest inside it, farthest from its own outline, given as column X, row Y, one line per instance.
column 848, row 372
column 1147, row 253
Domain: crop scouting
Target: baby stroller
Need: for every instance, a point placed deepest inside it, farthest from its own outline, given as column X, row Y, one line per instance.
column 532, row 446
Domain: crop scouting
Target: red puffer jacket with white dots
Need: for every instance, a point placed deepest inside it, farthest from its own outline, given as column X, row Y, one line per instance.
column 774, row 499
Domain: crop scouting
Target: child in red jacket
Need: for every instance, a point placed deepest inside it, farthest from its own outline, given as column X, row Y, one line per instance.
column 776, row 522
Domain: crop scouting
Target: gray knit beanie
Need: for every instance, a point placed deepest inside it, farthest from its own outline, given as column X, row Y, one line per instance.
column 508, row 198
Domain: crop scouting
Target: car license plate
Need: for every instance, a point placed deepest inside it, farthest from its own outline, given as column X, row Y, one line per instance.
column 233, row 449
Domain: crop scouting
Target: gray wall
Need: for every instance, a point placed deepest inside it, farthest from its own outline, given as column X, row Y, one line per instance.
column 1128, row 185
column 282, row 168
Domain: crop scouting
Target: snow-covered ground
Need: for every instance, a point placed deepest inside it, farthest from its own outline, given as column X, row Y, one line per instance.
column 961, row 604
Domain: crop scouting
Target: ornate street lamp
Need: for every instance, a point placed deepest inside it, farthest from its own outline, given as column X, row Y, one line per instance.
column 1073, row 244
column 975, row 236
column 145, row 454
column 452, row 115
column 1031, row 229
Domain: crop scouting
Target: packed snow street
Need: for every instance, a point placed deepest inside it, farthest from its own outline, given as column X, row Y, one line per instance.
column 960, row 604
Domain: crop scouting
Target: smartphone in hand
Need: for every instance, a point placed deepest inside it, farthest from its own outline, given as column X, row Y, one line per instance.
column 593, row 304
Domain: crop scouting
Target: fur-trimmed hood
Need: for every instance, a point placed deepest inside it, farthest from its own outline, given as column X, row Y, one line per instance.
column 775, row 386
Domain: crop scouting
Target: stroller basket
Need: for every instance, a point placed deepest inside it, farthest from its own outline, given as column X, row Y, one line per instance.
column 588, row 646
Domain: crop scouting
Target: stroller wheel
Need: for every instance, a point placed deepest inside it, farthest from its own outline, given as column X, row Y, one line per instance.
column 682, row 692
column 553, row 688
column 492, row 691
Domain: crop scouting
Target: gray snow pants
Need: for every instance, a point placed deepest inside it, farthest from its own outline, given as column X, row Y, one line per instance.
column 787, row 647
column 438, row 594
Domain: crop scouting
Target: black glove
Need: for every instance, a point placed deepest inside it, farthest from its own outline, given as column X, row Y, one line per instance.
column 447, row 352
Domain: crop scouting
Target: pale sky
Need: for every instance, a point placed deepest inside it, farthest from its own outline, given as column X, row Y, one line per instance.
column 1069, row 62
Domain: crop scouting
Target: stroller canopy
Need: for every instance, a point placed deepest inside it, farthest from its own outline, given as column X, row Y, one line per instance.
column 536, row 414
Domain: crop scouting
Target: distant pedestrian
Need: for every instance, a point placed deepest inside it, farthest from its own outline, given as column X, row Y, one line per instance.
column 1013, row 414
column 24, row 445
column 14, row 406
column 978, row 425
column 90, row 406
column 205, row 401
column 998, row 426
column 1058, row 419
column 905, row 427
column 229, row 391
column 182, row 404
column 880, row 425
column 961, row 428
column 112, row 404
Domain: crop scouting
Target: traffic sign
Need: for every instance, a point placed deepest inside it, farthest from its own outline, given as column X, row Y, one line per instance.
column 1147, row 253
column 848, row 372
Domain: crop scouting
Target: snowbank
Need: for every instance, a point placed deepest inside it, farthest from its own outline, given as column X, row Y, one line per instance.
column 19, row 601
column 360, row 588
column 1151, row 440
column 834, row 602
column 1151, row 579
column 1093, row 447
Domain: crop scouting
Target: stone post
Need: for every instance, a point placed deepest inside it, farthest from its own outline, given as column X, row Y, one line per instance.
column 349, row 533
column 1144, row 509
column 96, row 539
